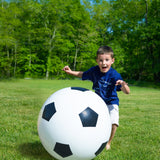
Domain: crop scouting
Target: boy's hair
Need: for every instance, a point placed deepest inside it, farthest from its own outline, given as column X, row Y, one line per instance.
column 105, row 50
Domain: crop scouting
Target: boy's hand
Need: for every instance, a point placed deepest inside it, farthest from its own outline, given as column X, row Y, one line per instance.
column 73, row 73
column 119, row 82
column 124, row 85
column 67, row 69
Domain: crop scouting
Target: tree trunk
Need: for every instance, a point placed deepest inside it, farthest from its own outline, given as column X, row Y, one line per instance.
column 9, row 64
column 146, row 15
column 15, row 60
column 75, row 58
column 50, row 50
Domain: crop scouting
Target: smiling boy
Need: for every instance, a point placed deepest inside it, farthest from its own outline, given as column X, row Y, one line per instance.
column 106, row 82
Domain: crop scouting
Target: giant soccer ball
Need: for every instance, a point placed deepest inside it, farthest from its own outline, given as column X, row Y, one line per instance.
column 74, row 124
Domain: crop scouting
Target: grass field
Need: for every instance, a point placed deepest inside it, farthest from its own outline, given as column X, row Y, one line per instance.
column 137, row 138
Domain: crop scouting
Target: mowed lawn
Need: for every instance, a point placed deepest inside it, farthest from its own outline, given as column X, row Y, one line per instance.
column 137, row 138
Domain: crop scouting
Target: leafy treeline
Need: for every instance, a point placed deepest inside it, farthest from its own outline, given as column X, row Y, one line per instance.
column 39, row 37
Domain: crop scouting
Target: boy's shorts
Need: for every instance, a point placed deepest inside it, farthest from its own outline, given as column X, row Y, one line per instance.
column 114, row 113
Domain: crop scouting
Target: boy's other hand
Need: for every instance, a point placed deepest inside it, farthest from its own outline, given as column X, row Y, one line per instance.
column 119, row 82
column 124, row 85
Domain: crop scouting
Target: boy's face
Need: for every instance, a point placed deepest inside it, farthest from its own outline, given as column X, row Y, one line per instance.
column 104, row 62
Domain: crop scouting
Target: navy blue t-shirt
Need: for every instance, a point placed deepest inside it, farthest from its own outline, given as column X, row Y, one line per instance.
column 104, row 83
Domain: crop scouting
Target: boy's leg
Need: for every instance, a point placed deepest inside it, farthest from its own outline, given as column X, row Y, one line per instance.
column 113, row 131
column 114, row 114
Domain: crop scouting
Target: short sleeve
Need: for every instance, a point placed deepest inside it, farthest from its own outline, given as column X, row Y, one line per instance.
column 87, row 75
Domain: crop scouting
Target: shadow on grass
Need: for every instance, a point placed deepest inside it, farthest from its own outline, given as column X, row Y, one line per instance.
column 34, row 150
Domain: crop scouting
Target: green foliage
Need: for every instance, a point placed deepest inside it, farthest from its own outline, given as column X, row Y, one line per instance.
column 34, row 34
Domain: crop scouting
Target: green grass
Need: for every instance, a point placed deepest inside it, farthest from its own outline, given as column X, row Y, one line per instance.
column 137, row 138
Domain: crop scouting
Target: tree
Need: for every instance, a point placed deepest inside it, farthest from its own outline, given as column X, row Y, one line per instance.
column 8, row 27
column 37, row 38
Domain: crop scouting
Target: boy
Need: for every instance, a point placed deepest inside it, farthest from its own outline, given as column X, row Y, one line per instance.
column 106, row 83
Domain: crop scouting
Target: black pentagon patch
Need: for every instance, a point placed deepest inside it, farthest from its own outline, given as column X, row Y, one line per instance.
column 63, row 150
column 88, row 117
column 49, row 111
column 101, row 148
column 79, row 89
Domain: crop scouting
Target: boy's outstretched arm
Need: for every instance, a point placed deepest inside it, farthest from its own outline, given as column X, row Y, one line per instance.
column 73, row 73
column 125, row 88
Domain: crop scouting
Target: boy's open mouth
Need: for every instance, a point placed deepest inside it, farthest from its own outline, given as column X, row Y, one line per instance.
column 104, row 69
